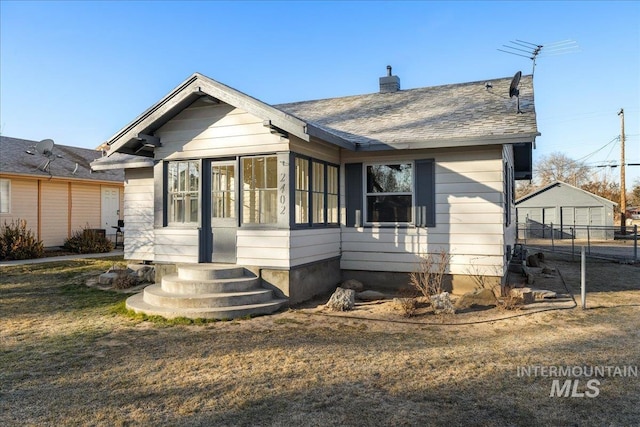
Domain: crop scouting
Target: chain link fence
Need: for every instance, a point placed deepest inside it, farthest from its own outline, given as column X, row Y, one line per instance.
column 618, row 243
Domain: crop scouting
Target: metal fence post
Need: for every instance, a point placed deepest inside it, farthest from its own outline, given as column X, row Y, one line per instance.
column 635, row 242
column 588, row 240
column 573, row 241
column 583, row 278
column 552, row 241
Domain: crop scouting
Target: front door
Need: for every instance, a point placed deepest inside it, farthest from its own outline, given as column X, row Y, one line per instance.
column 110, row 209
column 224, row 211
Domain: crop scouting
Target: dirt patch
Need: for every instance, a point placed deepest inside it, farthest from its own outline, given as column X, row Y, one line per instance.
column 68, row 357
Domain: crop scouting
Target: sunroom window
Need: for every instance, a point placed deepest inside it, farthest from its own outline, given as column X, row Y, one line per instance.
column 259, row 190
column 183, row 179
column 389, row 193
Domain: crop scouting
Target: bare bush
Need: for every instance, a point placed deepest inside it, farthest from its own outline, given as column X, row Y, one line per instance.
column 407, row 302
column 428, row 277
column 510, row 301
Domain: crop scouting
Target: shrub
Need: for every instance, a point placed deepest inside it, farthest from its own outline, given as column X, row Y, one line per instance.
column 87, row 241
column 427, row 279
column 407, row 302
column 125, row 280
column 18, row 242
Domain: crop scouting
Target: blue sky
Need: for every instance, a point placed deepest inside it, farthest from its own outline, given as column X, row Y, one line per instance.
column 77, row 72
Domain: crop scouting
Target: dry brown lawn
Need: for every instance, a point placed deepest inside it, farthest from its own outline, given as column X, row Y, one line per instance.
column 70, row 356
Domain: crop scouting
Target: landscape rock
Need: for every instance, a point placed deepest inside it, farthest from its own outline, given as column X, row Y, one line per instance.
column 145, row 274
column 370, row 296
column 524, row 293
column 540, row 256
column 543, row 294
column 107, row 279
column 342, row 300
column 479, row 297
column 354, row 284
column 441, row 304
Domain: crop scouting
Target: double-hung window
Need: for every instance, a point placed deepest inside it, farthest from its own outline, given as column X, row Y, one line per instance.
column 389, row 193
column 316, row 192
column 260, row 190
column 183, row 179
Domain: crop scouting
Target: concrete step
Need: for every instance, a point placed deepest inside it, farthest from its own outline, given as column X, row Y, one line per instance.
column 174, row 284
column 209, row 271
column 137, row 304
column 154, row 295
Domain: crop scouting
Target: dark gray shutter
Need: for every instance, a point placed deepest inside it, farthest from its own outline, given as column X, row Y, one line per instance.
column 353, row 193
column 425, row 193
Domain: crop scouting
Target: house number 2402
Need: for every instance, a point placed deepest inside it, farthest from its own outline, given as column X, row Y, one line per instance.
column 283, row 193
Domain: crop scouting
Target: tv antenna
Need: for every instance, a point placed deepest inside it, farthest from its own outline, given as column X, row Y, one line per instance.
column 514, row 91
column 534, row 50
column 45, row 149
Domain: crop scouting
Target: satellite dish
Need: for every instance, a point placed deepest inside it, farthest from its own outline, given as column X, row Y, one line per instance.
column 45, row 147
column 513, row 89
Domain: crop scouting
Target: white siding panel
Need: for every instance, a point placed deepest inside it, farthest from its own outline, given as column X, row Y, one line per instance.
column 314, row 245
column 176, row 245
column 139, row 235
column 251, row 250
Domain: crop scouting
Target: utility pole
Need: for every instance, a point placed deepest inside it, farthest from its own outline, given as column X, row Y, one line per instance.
column 623, row 190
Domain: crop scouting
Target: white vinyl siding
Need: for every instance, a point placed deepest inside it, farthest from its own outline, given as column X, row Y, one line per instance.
column 138, row 214
column 287, row 248
column 210, row 130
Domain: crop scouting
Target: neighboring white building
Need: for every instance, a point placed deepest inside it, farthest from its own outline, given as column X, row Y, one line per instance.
column 314, row 192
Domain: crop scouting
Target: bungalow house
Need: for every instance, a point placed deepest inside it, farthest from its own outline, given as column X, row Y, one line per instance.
column 310, row 193
column 57, row 193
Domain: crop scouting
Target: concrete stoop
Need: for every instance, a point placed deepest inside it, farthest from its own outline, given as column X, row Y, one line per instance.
column 206, row 291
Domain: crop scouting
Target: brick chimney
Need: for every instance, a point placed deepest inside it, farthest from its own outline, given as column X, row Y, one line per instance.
column 389, row 83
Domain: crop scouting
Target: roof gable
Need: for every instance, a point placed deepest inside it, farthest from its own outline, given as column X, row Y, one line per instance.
column 74, row 163
column 131, row 138
column 557, row 185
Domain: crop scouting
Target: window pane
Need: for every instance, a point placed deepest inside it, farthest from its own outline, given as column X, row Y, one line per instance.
column 302, row 207
column 332, row 209
column 318, row 177
column 302, row 174
column 194, row 176
column 318, row 207
column 389, row 178
column 332, row 179
column 389, row 208
column 272, row 172
column 258, row 172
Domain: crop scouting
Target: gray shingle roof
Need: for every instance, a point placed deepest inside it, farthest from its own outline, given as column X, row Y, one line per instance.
column 15, row 159
column 428, row 115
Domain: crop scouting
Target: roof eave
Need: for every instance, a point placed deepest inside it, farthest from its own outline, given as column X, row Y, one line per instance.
column 413, row 144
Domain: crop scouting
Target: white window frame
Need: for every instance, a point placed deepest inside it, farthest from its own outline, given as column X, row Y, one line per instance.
column 6, row 208
column 366, row 194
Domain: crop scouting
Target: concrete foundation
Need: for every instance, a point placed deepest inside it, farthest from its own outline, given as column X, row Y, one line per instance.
column 303, row 282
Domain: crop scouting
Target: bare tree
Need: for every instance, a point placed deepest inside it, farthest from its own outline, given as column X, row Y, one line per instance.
column 559, row 167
